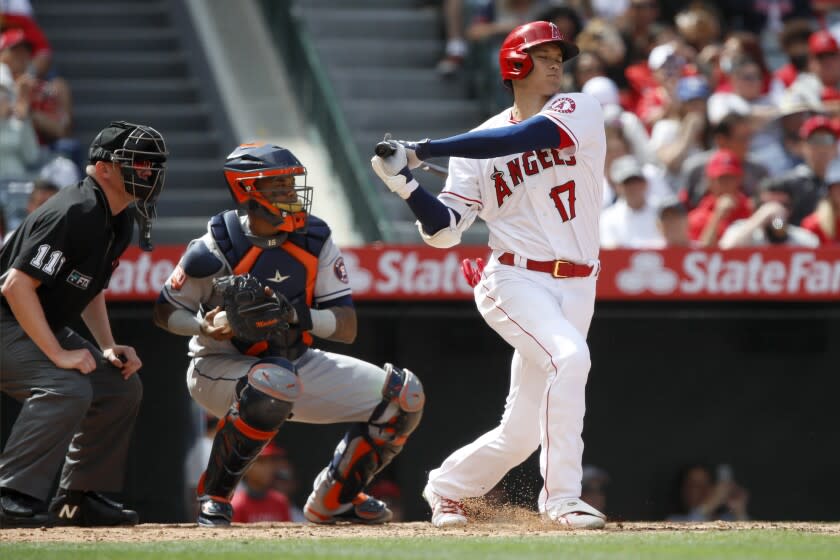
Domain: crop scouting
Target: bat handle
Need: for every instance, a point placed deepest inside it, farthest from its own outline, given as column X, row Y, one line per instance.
column 384, row 149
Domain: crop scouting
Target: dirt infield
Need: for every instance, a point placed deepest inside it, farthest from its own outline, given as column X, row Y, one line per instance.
column 531, row 527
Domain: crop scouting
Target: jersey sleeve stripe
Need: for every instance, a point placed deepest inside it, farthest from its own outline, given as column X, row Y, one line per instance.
column 332, row 295
column 448, row 193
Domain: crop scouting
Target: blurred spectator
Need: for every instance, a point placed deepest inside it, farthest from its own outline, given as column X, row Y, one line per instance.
column 638, row 29
column 794, row 42
column 603, row 38
column 681, row 133
column 50, row 106
column 606, row 92
column 565, row 17
column 741, row 45
column 821, row 82
column 60, row 171
column 18, row 143
column 631, row 221
column 286, row 482
column 824, row 222
column 42, row 191
column 701, row 495
column 456, row 44
column 784, row 151
column 583, row 68
column 666, row 66
column 724, row 202
column 388, row 491
column 746, row 96
column 805, row 181
column 673, row 223
column 769, row 224
column 496, row 18
column 698, row 25
column 608, row 9
column 17, row 14
column 732, row 133
column 593, row 487
column 256, row 500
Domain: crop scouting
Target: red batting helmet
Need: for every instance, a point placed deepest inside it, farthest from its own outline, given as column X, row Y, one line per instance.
column 514, row 60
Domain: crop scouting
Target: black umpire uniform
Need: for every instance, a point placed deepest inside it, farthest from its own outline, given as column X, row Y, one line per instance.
column 71, row 244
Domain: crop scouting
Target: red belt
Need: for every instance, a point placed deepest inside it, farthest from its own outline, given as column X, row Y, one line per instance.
column 558, row 269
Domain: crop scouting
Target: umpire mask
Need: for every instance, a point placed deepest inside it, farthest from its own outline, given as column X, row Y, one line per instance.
column 141, row 154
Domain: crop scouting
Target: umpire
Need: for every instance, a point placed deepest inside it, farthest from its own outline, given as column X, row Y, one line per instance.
column 79, row 401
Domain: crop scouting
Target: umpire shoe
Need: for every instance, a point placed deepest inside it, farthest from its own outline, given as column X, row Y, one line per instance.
column 577, row 514
column 22, row 510
column 85, row 508
column 445, row 511
column 214, row 513
column 364, row 509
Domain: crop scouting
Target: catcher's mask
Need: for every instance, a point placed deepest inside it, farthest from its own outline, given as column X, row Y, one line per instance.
column 141, row 153
column 277, row 198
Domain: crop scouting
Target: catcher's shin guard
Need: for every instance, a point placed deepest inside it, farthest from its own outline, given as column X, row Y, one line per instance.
column 264, row 400
column 366, row 449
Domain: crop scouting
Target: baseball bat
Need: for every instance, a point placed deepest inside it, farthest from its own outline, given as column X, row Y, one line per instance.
column 384, row 149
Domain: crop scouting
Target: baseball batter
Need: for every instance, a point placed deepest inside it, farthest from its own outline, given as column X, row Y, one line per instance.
column 255, row 382
column 534, row 174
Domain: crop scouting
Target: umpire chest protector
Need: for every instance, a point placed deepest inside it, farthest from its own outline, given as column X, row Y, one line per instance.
column 288, row 266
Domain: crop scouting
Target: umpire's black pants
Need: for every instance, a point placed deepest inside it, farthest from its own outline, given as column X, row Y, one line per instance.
column 86, row 421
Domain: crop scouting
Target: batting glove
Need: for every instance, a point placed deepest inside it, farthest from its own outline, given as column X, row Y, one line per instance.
column 414, row 151
column 394, row 172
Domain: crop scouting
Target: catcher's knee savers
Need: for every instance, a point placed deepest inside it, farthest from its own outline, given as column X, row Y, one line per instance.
column 368, row 447
column 264, row 400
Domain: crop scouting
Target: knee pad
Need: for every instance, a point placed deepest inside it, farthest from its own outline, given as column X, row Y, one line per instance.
column 368, row 447
column 266, row 395
column 264, row 400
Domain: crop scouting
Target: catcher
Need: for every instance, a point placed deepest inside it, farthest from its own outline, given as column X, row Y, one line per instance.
column 252, row 292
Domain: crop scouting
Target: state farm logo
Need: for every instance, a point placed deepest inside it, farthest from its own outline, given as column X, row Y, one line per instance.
column 736, row 273
column 360, row 279
column 647, row 272
column 406, row 273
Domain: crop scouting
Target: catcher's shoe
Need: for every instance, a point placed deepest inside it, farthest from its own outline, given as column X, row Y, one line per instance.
column 21, row 510
column 577, row 514
column 85, row 508
column 214, row 513
column 445, row 512
column 364, row 509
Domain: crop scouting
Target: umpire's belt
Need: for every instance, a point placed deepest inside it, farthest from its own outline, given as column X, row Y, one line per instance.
column 558, row 268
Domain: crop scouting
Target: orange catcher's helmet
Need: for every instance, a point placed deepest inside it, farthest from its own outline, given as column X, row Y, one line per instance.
column 514, row 60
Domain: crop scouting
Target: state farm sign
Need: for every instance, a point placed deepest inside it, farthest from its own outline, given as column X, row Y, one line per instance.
column 737, row 274
column 387, row 272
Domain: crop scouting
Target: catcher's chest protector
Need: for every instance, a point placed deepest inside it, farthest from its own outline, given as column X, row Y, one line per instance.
column 289, row 268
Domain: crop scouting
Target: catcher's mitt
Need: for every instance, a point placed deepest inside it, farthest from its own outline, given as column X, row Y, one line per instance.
column 253, row 315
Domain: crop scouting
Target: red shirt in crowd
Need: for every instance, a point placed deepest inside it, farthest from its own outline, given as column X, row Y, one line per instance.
column 811, row 224
column 700, row 216
column 272, row 506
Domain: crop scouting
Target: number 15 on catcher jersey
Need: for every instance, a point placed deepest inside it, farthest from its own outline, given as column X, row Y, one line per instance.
column 541, row 204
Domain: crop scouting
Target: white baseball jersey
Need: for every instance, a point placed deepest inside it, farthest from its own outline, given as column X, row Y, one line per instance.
column 541, row 205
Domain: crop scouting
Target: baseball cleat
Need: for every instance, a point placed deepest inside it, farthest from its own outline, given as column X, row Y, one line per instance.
column 577, row 514
column 89, row 509
column 445, row 512
column 214, row 513
column 364, row 509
